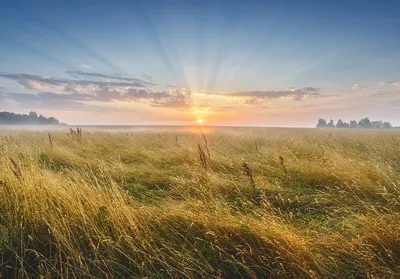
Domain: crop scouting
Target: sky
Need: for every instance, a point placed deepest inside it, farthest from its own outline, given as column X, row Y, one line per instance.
column 226, row 62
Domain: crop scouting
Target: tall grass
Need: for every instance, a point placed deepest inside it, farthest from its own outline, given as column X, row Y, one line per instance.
column 306, row 204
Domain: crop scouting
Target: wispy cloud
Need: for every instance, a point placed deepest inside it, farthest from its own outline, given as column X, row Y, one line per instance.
column 149, row 78
column 292, row 93
column 355, row 87
column 76, row 74
column 26, row 80
column 47, row 100
column 377, row 86
column 100, row 96
column 395, row 83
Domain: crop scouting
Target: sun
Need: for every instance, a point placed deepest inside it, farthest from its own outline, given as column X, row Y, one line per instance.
column 200, row 121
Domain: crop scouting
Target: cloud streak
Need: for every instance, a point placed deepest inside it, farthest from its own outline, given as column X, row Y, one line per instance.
column 293, row 93
column 26, row 79
column 104, row 96
column 75, row 74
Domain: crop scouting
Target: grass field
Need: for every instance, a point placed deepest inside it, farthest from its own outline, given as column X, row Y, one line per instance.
column 307, row 203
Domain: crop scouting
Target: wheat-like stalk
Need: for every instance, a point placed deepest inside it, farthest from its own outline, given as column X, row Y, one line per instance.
column 282, row 164
column 206, row 144
column 15, row 168
column 203, row 157
column 50, row 139
column 249, row 173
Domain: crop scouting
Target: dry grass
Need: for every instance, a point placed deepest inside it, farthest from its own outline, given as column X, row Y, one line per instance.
column 306, row 204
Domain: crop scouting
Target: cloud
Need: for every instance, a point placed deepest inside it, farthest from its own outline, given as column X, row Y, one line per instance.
column 395, row 83
column 380, row 84
column 76, row 74
column 382, row 88
column 305, row 89
column 47, row 100
column 107, row 94
column 30, row 84
column 253, row 102
column 94, row 89
column 381, row 93
column 54, row 101
column 135, row 94
column 102, row 95
column 26, row 80
column 175, row 99
column 292, row 93
column 149, row 78
column 355, row 87
column 71, row 93
column 171, row 103
column 3, row 98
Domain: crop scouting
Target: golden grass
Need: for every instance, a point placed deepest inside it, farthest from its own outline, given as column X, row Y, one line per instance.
column 273, row 203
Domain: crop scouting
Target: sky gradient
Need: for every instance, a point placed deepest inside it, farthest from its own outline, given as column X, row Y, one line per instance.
column 263, row 63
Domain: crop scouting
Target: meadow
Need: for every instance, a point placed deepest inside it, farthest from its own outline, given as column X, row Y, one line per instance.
column 225, row 203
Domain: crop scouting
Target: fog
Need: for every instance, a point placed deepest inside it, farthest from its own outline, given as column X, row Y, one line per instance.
column 147, row 129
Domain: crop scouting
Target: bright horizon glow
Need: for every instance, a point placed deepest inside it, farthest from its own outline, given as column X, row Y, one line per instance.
column 228, row 62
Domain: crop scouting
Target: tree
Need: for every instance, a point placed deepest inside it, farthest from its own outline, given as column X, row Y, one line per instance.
column 33, row 115
column 386, row 125
column 364, row 123
column 9, row 118
column 341, row 124
column 376, row 124
column 321, row 123
column 353, row 124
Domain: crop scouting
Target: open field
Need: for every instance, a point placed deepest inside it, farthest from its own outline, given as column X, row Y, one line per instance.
column 308, row 203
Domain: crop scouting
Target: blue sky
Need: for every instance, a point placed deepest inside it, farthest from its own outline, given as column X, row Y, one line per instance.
column 273, row 63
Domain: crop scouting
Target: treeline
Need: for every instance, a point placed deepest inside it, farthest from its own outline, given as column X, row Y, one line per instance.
column 9, row 118
column 364, row 123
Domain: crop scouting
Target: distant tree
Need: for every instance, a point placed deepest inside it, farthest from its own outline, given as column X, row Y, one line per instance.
column 52, row 121
column 23, row 119
column 321, row 123
column 376, row 124
column 330, row 124
column 364, row 123
column 353, row 124
column 341, row 124
column 386, row 125
column 33, row 115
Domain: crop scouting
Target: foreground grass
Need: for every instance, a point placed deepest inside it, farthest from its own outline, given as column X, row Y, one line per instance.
column 322, row 204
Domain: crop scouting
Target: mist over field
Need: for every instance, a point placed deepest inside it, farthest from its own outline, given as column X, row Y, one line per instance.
column 152, row 129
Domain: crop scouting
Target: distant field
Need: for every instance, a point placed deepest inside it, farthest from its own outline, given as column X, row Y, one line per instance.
column 172, row 202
